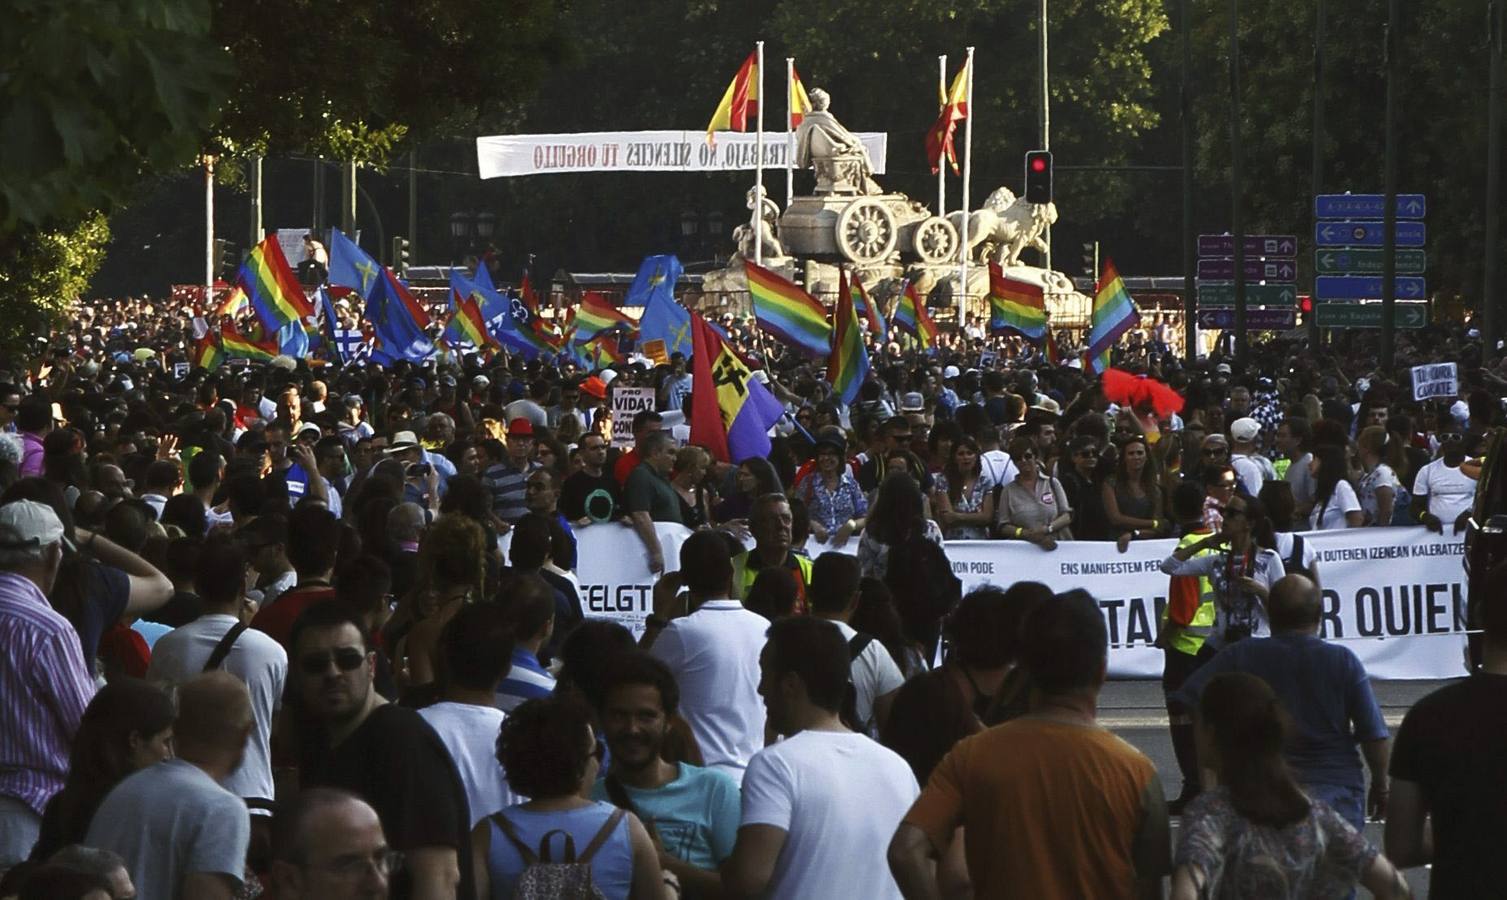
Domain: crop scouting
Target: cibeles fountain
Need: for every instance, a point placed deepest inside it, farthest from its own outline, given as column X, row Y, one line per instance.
column 886, row 239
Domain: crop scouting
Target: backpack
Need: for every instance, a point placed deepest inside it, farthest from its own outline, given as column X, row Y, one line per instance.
column 1293, row 565
column 849, row 712
column 568, row 879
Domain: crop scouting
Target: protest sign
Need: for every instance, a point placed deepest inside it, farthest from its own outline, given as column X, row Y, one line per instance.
column 1441, row 380
column 626, row 403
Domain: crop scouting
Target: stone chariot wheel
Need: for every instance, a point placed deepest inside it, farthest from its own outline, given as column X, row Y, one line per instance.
column 866, row 231
column 935, row 241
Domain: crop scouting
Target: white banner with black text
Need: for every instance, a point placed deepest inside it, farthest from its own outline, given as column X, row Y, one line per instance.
column 513, row 155
column 1394, row 596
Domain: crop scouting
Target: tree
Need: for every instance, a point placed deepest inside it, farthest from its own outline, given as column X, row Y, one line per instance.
column 94, row 96
column 42, row 274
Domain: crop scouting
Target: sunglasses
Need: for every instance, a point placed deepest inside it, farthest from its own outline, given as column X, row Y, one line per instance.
column 1230, row 511
column 1215, row 451
column 346, row 659
column 1026, row 455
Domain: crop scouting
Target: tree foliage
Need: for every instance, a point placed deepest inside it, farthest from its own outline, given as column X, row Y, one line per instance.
column 42, row 274
column 95, row 95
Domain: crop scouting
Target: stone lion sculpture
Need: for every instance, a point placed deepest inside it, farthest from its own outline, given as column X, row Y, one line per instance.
column 1004, row 227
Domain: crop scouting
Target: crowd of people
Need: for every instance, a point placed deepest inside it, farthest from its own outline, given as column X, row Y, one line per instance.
column 262, row 637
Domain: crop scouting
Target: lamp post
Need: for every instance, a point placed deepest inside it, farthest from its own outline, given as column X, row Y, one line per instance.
column 461, row 225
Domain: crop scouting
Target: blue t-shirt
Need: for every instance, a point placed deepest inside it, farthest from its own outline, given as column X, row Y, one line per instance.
column 611, row 866
column 1325, row 690
column 696, row 815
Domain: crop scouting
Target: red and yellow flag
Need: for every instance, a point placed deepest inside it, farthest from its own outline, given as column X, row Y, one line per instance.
column 954, row 110
column 800, row 104
column 739, row 101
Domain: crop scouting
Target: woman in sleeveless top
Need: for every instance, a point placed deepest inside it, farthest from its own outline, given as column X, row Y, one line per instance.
column 550, row 753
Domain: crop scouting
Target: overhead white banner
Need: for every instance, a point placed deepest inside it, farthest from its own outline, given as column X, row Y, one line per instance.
column 1394, row 596
column 512, row 155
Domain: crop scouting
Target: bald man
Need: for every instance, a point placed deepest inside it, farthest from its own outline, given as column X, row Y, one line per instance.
column 1325, row 690
column 179, row 832
column 329, row 845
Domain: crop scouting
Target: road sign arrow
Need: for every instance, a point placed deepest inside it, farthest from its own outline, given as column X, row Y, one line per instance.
column 1329, row 232
column 1413, row 207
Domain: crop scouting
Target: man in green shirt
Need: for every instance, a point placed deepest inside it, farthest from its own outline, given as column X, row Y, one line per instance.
column 649, row 495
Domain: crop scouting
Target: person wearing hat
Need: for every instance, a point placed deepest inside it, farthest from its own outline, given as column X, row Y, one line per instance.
column 833, row 498
column 508, row 480
column 44, row 680
column 1245, row 435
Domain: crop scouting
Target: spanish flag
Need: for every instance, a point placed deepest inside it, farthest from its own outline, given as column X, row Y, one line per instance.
column 954, row 110
column 800, row 104
column 739, row 101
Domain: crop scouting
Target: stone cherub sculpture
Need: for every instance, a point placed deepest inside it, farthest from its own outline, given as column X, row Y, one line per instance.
column 822, row 143
column 1004, row 227
column 744, row 235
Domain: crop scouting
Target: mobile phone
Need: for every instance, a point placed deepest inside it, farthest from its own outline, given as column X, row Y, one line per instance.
column 417, row 470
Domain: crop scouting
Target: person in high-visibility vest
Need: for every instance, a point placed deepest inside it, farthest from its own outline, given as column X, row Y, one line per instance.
column 1185, row 627
column 770, row 523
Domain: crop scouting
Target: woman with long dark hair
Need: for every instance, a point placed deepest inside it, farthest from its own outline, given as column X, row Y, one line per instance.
column 1257, row 835
column 1132, row 496
column 962, row 497
column 1380, row 458
column 897, row 516
column 1335, row 504
column 126, row 727
column 753, row 478
column 1242, row 570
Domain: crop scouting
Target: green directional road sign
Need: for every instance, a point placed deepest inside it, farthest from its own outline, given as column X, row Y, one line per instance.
column 1368, row 315
column 1222, row 293
column 1365, row 262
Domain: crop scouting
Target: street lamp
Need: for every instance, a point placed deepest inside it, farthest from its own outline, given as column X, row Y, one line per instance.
column 486, row 225
column 461, row 224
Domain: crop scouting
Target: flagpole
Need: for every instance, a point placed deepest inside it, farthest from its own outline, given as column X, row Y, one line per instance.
column 758, row 204
column 942, row 157
column 967, row 177
column 789, row 131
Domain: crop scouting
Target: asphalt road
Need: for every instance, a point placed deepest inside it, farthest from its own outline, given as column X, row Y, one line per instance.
column 1134, row 710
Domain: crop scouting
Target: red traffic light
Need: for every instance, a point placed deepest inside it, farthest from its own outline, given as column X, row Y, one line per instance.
column 1305, row 303
column 1038, row 164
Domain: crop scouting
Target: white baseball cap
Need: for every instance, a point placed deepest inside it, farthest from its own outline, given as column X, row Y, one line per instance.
column 26, row 523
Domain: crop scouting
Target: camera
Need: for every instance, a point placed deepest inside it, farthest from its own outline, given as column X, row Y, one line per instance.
column 417, row 470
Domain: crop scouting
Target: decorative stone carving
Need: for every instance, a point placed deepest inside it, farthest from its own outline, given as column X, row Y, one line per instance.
column 769, row 218
column 822, row 143
column 1004, row 227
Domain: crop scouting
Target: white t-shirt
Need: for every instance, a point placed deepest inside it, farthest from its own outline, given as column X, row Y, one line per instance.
column 714, row 653
column 469, row 732
column 1284, row 541
column 1450, row 492
column 1326, row 516
column 1380, row 477
column 839, row 797
column 998, row 467
column 874, row 674
column 256, row 659
column 1248, row 471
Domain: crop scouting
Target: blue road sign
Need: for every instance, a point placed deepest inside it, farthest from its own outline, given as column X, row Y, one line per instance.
column 1366, row 234
column 1368, row 206
column 1365, row 287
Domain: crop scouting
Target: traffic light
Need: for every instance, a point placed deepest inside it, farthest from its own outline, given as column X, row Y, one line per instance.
column 400, row 255
column 1091, row 259
column 227, row 258
column 1039, row 176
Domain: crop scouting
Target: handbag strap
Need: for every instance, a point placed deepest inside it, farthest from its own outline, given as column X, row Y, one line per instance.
column 222, row 649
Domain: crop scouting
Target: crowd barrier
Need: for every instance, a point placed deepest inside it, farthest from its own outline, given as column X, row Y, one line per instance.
column 1394, row 596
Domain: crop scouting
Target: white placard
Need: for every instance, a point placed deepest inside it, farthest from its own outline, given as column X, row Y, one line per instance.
column 511, row 155
column 628, row 402
column 1437, row 381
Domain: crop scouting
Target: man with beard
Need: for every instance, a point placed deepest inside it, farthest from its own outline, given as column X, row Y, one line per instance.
column 383, row 753
column 691, row 812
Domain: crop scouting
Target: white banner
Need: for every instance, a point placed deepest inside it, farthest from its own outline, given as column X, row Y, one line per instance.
column 1438, row 380
column 628, row 402
column 1394, row 596
column 510, row 155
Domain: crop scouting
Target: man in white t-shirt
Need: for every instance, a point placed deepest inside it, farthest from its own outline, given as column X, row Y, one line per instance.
column 1245, row 434
column 207, row 644
column 477, row 647
column 819, row 807
column 1450, row 493
column 714, row 653
column 833, row 595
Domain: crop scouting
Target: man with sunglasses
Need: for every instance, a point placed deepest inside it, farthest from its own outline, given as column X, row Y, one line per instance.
column 1449, row 493
column 383, row 753
column 590, row 495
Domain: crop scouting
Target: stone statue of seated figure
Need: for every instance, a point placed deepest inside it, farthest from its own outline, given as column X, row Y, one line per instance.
column 822, row 143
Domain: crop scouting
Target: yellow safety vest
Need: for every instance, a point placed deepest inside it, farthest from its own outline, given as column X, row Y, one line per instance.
column 1190, row 638
column 743, row 576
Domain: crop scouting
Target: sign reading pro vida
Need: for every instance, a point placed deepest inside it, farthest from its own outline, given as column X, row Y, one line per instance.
column 509, row 155
column 628, row 402
column 1394, row 596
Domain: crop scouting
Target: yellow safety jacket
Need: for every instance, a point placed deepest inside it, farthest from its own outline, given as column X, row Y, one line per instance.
column 1195, row 593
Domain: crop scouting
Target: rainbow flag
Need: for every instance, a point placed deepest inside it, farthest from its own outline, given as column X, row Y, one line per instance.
column 465, row 325
column 596, row 316
column 274, row 292
column 603, row 352
column 236, row 303
column 1016, row 305
column 848, row 365
column 239, row 346
column 911, row 316
column 787, row 312
column 1114, row 314
column 867, row 310
column 1051, row 350
column 207, row 353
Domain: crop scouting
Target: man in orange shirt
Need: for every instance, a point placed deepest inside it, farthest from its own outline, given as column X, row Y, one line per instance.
column 1054, row 806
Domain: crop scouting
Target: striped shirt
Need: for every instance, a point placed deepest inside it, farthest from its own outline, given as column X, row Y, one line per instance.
column 506, row 485
column 45, row 686
column 527, row 680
